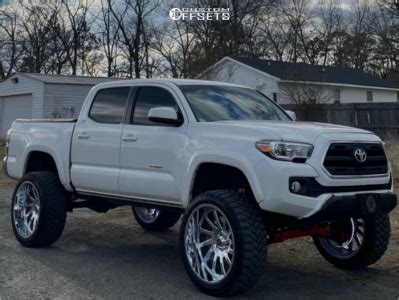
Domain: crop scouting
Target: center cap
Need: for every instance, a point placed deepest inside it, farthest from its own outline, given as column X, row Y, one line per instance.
column 222, row 240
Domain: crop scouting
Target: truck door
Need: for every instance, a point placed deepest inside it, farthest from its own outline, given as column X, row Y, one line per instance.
column 95, row 153
column 152, row 153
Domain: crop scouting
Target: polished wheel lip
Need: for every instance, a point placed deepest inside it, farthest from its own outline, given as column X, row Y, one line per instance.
column 211, row 258
column 351, row 246
column 26, row 209
column 147, row 214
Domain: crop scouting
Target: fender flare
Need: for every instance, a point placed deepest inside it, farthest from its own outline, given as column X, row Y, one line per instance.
column 56, row 157
column 235, row 160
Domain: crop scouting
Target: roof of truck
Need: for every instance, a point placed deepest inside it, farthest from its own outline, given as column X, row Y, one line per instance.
column 174, row 81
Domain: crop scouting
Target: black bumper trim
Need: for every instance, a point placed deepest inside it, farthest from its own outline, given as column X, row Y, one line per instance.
column 311, row 188
column 341, row 207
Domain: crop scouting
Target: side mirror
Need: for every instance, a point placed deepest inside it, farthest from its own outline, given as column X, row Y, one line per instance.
column 164, row 115
column 291, row 114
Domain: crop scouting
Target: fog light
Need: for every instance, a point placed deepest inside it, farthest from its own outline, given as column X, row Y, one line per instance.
column 296, row 186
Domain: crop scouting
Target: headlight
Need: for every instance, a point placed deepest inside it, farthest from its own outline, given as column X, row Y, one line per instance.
column 288, row 151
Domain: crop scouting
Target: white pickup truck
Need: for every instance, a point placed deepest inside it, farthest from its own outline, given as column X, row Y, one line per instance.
column 242, row 171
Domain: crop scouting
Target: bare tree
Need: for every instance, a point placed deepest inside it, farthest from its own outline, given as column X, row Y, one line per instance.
column 274, row 32
column 10, row 45
column 330, row 16
column 37, row 22
column 109, row 37
column 130, row 17
column 173, row 43
column 76, row 31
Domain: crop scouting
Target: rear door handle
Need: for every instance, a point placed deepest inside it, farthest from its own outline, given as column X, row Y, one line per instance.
column 83, row 135
column 129, row 138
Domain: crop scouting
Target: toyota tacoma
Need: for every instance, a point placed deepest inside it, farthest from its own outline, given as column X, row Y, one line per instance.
column 240, row 169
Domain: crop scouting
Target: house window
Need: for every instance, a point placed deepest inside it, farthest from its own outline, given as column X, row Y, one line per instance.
column 337, row 95
column 312, row 96
column 369, row 96
column 275, row 97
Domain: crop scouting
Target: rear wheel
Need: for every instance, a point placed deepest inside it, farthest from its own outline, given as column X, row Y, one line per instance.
column 38, row 211
column 355, row 243
column 223, row 242
column 155, row 219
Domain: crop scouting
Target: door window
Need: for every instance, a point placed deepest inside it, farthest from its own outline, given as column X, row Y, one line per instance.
column 109, row 105
column 150, row 97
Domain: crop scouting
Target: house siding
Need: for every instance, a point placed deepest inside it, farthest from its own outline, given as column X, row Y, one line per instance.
column 348, row 94
column 64, row 100
column 232, row 72
column 356, row 95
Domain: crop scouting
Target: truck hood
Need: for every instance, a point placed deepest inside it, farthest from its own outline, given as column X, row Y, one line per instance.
column 295, row 131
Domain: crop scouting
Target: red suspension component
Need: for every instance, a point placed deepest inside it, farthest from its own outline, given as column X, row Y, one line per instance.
column 279, row 236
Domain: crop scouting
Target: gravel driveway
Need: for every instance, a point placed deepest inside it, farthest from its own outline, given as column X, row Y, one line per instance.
column 109, row 256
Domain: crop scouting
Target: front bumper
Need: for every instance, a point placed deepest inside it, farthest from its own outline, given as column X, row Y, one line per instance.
column 358, row 205
column 274, row 178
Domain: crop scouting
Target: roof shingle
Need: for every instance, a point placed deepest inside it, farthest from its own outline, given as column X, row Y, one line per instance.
column 315, row 73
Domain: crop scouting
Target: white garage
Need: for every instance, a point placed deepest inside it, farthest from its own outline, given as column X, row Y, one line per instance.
column 15, row 107
column 32, row 95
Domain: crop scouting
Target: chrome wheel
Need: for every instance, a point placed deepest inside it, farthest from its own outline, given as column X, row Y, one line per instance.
column 347, row 238
column 147, row 215
column 26, row 209
column 209, row 243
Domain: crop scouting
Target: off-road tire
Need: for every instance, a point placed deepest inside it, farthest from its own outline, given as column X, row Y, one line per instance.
column 376, row 240
column 53, row 209
column 250, row 242
column 165, row 220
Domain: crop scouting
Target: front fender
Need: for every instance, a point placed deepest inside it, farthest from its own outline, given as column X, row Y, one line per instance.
column 229, row 159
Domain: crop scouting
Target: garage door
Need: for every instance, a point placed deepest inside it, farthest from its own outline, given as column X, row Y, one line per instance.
column 15, row 107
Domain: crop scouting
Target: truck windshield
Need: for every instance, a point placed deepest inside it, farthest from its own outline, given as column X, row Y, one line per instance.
column 218, row 103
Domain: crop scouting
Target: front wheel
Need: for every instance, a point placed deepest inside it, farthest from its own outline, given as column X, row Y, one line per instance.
column 356, row 242
column 155, row 219
column 223, row 242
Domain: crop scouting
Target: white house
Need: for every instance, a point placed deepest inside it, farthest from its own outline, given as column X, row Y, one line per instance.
column 287, row 82
column 31, row 95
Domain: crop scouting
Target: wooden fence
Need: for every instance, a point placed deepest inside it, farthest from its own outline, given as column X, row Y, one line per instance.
column 381, row 118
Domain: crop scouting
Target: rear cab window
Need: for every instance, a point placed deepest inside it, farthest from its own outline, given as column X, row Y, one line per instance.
column 109, row 105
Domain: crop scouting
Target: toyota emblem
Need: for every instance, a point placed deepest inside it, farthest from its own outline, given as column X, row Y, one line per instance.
column 360, row 155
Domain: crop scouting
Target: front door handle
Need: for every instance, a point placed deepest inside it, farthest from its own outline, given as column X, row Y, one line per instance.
column 83, row 135
column 129, row 138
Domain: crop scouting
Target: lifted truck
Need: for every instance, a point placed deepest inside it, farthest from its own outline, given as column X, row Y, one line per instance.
column 242, row 172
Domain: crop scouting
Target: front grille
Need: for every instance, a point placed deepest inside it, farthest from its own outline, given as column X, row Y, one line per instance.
column 340, row 159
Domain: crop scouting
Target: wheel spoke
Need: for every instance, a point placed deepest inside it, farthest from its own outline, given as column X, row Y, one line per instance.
column 205, row 243
column 357, row 240
column 205, row 231
column 222, row 265
column 214, row 227
column 217, row 221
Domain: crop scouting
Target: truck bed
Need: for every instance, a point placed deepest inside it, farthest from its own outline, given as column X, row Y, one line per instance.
column 52, row 136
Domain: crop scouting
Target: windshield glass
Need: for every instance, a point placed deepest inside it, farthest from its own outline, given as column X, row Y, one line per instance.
column 218, row 103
